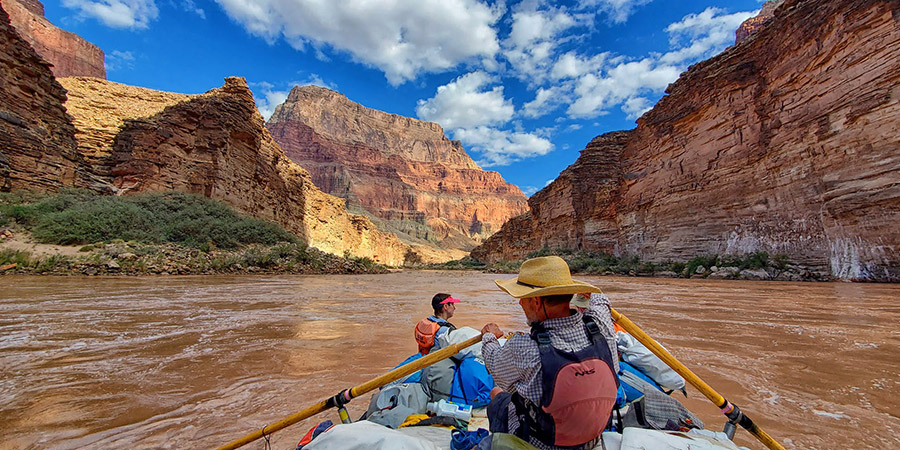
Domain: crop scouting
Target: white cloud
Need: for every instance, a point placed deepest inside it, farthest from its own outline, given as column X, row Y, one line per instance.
column 547, row 99
column 570, row 65
column 502, row 147
column 635, row 107
column 618, row 10
column 117, row 60
column 706, row 34
column 465, row 103
column 403, row 38
column 531, row 45
column 267, row 97
column 596, row 93
column 117, row 13
column 573, row 127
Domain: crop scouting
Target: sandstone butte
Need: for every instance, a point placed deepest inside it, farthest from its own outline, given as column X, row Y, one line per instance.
column 786, row 143
column 404, row 173
column 69, row 53
column 753, row 24
column 216, row 145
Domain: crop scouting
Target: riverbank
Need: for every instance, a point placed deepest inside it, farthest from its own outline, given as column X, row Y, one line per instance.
column 21, row 254
column 758, row 266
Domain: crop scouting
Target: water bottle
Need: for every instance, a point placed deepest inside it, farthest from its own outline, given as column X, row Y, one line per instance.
column 448, row 409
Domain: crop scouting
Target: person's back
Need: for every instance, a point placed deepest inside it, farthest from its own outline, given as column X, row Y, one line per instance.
column 559, row 381
column 431, row 332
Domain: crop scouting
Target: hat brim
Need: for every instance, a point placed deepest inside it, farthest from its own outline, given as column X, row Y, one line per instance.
column 516, row 290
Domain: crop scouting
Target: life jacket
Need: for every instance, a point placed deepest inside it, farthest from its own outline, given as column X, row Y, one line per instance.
column 579, row 391
column 425, row 331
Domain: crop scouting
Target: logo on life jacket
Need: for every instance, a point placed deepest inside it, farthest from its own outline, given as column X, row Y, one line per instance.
column 585, row 372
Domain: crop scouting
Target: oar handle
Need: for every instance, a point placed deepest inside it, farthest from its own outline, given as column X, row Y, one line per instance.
column 727, row 408
column 377, row 382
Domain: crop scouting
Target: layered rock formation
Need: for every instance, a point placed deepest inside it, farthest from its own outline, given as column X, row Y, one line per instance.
column 69, row 53
column 214, row 145
column 402, row 172
column 787, row 143
column 753, row 24
column 37, row 141
column 100, row 109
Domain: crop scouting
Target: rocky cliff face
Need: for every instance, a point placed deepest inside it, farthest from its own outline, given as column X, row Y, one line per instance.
column 753, row 24
column 787, row 143
column 69, row 53
column 37, row 140
column 402, row 172
column 215, row 145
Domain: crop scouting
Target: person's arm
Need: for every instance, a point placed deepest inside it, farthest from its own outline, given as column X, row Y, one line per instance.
column 511, row 363
column 600, row 310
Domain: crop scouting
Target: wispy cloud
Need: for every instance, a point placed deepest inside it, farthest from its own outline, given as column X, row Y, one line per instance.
column 117, row 60
column 498, row 147
column 135, row 14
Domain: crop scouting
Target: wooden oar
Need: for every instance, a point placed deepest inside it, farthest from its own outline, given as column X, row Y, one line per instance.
column 374, row 383
column 731, row 411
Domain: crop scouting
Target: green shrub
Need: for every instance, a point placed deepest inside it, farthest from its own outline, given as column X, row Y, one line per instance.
column 8, row 256
column 705, row 261
column 80, row 217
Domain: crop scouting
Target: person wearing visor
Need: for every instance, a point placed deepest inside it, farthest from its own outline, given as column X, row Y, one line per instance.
column 432, row 332
column 556, row 387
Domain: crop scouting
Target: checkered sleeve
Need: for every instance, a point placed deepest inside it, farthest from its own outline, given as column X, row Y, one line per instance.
column 513, row 364
column 600, row 310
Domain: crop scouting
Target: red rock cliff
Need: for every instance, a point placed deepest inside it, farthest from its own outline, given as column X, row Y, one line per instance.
column 37, row 139
column 69, row 53
column 787, row 143
column 401, row 171
column 215, row 145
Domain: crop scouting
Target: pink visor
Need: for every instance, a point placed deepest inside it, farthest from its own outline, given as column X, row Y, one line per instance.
column 449, row 300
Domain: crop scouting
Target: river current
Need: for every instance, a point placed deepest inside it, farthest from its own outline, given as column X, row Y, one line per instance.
column 196, row 362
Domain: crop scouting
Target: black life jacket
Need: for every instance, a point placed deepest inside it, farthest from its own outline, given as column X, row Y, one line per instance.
column 579, row 391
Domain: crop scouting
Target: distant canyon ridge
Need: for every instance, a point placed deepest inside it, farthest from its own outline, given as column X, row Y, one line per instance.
column 401, row 172
column 785, row 143
column 788, row 143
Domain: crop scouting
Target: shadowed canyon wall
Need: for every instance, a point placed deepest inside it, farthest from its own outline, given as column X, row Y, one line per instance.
column 787, row 143
column 69, row 53
column 216, row 145
column 402, row 172
column 37, row 140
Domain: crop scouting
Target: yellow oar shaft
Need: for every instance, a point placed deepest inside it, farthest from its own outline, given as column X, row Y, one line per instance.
column 374, row 383
column 691, row 378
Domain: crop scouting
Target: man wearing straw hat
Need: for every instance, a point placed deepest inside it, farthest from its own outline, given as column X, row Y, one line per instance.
column 556, row 386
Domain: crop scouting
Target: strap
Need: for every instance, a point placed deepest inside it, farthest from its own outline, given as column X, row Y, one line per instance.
column 593, row 330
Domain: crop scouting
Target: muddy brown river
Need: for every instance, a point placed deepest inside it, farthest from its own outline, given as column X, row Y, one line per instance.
column 195, row 362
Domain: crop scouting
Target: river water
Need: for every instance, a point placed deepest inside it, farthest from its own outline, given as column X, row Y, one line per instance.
column 195, row 362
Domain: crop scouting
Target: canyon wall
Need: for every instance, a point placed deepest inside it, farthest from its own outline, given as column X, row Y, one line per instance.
column 787, row 143
column 402, row 172
column 37, row 140
column 69, row 53
column 215, row 145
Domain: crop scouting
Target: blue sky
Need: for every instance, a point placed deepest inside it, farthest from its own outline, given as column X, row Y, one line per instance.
column 524, row 84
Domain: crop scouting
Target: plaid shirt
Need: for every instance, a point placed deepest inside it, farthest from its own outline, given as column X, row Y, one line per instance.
column 516, row 366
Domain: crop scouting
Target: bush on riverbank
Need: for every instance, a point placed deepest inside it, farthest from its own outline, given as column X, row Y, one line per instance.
column 754, row 266
column 80, row 217
column 170, row 233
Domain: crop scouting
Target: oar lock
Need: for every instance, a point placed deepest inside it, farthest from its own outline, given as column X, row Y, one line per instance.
column 339, row 400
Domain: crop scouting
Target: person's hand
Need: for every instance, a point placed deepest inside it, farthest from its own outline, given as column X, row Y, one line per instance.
column 493, row 329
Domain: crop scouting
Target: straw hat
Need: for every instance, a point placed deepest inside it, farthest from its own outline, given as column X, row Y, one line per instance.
column 547, row 275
